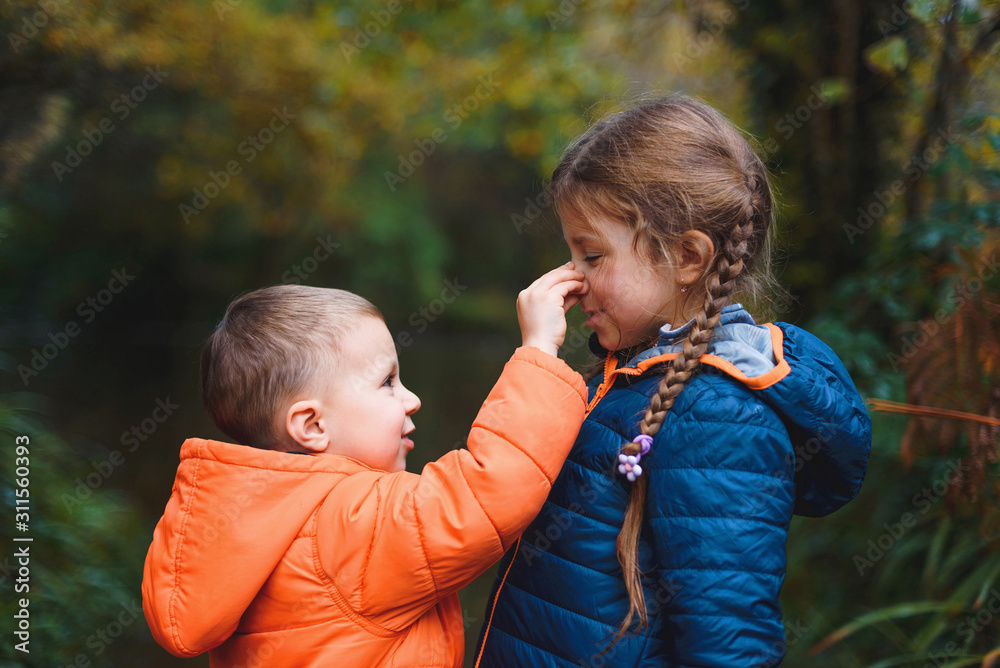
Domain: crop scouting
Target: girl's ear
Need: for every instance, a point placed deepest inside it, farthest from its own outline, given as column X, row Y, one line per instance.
column 695, row 254
column 304, row 425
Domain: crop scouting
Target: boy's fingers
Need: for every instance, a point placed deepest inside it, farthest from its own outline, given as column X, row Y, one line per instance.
column 568, row 286
column 572, row 292
column 570, row 302
column 563, row 273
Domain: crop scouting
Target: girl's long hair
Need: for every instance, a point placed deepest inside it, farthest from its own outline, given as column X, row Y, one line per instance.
column 663, row 167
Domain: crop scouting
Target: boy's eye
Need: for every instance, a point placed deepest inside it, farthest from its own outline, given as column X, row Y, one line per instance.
column 388, row 382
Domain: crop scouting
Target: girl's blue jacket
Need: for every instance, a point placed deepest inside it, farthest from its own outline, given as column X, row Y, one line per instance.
column 772, row 425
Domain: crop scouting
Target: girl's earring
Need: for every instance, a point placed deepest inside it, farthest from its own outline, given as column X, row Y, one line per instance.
column 683, row 288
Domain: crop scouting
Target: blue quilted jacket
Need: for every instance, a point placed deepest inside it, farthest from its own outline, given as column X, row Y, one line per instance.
column 772, row 425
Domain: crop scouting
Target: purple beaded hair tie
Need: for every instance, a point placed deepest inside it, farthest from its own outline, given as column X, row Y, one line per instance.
column 629, row 464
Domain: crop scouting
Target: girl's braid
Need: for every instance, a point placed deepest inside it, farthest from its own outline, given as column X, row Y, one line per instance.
column 719, row 288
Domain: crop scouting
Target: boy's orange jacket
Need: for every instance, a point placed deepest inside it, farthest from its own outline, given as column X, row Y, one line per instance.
column 276, row 559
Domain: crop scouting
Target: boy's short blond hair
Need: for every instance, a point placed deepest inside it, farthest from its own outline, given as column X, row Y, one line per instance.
column 269, row 346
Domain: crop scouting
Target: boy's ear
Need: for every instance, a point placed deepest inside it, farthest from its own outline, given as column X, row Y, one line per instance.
column 304, row 425
column 695, row 253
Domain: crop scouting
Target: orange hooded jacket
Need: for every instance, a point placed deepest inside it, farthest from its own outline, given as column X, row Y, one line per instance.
column 274, row 559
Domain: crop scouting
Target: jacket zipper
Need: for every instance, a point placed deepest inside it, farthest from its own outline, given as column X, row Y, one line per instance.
column 610, row 371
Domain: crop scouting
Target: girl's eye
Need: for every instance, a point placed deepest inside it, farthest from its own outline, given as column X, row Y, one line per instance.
column 388, row 382
column 591, row 259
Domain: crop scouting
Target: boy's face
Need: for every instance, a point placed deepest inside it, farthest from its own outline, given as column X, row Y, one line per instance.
column 365, row 409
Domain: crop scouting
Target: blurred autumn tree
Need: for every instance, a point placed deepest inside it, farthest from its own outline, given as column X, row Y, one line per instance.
column 925, row 305
column 207, row 147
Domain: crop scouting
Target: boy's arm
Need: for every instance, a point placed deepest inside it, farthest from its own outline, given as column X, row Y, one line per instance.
column 395, row 544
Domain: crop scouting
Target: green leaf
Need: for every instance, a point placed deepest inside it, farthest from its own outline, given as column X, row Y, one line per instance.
column 881, row 615
column 898, row 661
column 931, row 566
column 835, row 89
column 987, row 585
column 889, row 55
column 967, row 661
column 927, row 11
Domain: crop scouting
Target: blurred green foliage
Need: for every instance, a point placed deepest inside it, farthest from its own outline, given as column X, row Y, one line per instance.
column 84, row 555
column 207, row 147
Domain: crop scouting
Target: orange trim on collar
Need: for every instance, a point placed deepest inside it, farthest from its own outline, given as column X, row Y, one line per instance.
column 764, row 381
column 610, row 363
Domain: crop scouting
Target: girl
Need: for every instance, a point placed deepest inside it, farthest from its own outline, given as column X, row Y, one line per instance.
column 662, row 542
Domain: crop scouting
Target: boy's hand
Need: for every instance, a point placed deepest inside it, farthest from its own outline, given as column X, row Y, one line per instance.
column 542, row 307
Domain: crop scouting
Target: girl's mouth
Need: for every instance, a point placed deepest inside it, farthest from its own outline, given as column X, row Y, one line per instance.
column 593, row 317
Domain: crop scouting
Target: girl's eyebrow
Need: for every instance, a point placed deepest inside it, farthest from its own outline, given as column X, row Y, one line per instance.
column 581, row 239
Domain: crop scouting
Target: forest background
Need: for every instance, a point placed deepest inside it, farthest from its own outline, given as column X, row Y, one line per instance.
column 159, row 158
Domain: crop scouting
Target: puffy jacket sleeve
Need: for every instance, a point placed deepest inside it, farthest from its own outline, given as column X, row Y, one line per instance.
column 719, row 504
column 395, row 544
column 827, row 422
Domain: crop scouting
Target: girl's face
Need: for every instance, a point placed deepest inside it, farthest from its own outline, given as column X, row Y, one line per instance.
column 628, row 298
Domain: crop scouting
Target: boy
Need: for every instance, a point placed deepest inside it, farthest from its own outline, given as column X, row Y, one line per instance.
column 309, row 544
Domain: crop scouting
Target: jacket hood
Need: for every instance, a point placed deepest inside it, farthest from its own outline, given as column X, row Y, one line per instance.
column 233, row 513
column 803, row 381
